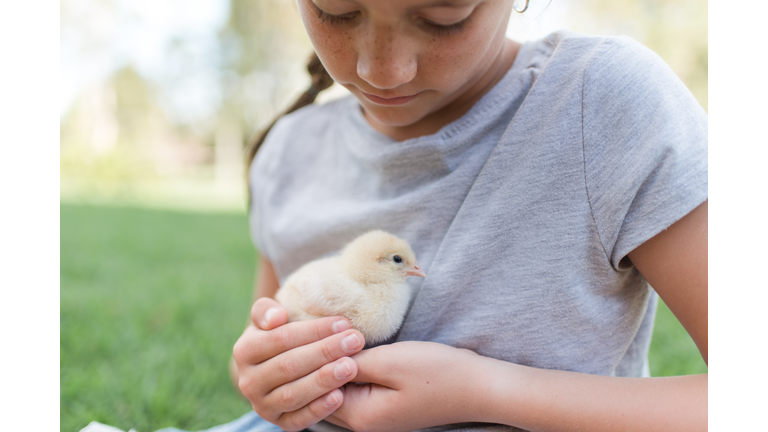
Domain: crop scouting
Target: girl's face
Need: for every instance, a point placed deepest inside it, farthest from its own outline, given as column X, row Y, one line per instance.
column 414, row 65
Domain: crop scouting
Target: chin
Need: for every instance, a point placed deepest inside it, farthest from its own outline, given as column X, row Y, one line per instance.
column 394, row 116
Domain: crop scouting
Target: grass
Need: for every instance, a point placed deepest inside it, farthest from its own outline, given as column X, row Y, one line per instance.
column 152, row 302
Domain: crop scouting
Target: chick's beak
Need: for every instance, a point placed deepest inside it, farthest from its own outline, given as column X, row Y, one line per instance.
column 415, row 270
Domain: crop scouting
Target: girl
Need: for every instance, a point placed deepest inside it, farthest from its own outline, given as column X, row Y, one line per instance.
column 540, row 185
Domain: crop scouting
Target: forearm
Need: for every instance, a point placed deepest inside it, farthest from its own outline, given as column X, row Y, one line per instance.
column 547, row 400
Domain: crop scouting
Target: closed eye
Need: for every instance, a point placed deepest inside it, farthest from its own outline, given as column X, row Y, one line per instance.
column 431, row 26
column 325, row 17
column 442, row 29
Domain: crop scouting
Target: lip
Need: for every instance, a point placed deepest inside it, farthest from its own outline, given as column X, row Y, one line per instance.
column 389, row 101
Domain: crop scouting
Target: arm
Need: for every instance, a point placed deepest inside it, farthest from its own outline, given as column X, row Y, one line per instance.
column 291, row 372
column 265, row 284
column 675, row 262
column 466, row 387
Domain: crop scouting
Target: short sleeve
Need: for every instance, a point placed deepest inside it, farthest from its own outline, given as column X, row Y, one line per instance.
column 645, row 146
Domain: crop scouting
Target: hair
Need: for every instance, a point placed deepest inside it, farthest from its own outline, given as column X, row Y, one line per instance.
column 320, row 81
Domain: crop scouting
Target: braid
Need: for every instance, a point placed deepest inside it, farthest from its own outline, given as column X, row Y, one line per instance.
column 320, row 81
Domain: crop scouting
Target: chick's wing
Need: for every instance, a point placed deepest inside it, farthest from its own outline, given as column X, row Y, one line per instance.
column 323, row 288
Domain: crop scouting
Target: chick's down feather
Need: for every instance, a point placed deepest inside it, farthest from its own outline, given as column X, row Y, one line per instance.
column 365, row 283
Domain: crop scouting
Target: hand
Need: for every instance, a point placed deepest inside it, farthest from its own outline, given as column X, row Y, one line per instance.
column 291, row 372
column 411, row 385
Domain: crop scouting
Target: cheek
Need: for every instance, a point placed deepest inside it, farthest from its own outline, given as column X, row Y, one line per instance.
column 458, row 58
column 448, row 64
column 334, row 48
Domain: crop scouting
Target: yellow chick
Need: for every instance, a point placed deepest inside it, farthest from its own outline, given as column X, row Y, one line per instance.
column 365, row 283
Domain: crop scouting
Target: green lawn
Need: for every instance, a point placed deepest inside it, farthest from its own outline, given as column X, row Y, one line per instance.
column 152, row 302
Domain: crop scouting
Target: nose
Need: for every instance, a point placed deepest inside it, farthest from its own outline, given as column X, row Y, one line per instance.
column 385, row 60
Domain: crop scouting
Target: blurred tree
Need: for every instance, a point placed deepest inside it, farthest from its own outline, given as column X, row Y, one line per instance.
column 184, row 119
column 264, row 49
column 101, row 132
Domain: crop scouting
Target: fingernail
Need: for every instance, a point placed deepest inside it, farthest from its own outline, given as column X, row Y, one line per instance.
column 350, row 343
column 342, row 370
column 270, row 313
column 340, row 325
column 331, row 400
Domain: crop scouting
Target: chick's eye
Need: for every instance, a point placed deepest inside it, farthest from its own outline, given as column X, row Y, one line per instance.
column 397, row 259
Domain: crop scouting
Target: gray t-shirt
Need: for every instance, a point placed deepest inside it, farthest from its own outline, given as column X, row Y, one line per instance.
column 521, row 212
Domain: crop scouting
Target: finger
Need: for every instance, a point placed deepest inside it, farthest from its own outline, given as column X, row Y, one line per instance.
column 333, row 418
column 297, row 394
column 364, row 403
column 256, row 346
column 317, row 410
column 302, row 361
column 266, row 314
column 378, row 366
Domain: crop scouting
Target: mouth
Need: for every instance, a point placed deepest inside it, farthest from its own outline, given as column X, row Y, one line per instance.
column 389, row 101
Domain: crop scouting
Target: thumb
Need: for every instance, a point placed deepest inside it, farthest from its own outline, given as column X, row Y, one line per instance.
column 375, row 365
column 267, row 314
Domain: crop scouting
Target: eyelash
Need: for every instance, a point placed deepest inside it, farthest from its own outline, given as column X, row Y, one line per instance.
column 333, row 19
column 442, row 30
column 435, row 28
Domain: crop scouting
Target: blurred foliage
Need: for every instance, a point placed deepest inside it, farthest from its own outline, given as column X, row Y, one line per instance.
column 134, row 127
column 132, row 131
column 266, row 49
column 99, row 147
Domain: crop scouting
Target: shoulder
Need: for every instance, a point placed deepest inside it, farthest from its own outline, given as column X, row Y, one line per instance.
column 604, row 59
column 623, row 87
column 600, row 72
column 618, row 71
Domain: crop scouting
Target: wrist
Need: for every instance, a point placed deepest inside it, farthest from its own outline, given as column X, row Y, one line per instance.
column 485, row 389
column 491, row 388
